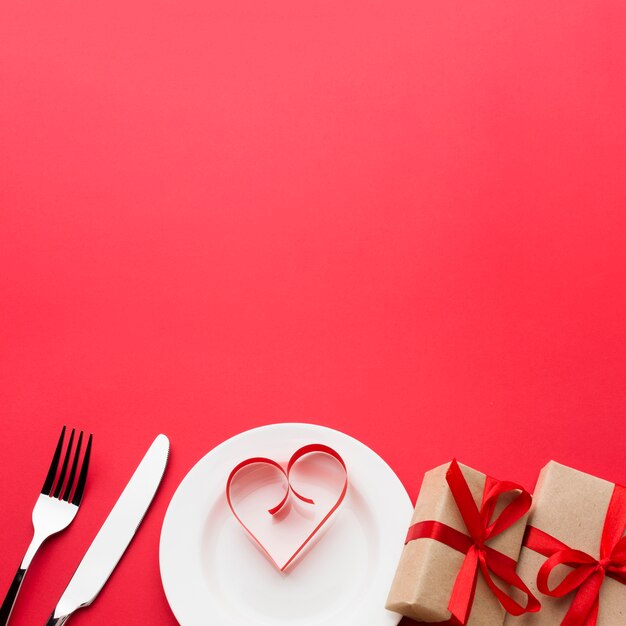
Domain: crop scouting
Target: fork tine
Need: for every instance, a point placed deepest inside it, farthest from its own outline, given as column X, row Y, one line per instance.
column 66, row 460
column 47, row 486
column 82, row 479
column 70, row 480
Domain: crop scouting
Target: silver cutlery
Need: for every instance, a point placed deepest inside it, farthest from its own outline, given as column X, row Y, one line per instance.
column 115, row 534
column 55, row 508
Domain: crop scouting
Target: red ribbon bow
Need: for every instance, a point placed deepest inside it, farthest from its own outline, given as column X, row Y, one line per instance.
column 478, row 555
column 589, row 573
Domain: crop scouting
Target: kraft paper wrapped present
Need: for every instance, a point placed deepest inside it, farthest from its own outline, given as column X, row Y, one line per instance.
column 575, row 550
column 458, row 563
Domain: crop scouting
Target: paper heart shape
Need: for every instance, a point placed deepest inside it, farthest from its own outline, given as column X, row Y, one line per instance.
column 289, row 488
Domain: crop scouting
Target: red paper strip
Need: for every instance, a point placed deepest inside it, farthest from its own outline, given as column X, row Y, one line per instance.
column 479, row 556
column 297, row 455
column 589, row 573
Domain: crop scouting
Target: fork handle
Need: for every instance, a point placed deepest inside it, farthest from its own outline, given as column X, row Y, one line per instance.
column 11, row 597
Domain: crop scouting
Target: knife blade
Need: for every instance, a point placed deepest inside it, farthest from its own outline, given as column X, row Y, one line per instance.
column 115, row 534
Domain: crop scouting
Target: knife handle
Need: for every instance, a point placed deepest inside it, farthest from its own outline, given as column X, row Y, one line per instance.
column 11, row 597
column 57, row 621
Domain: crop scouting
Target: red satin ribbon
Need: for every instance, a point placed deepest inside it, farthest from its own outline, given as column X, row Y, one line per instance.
column 478, row 555
column 588, row 573
column 297, row 455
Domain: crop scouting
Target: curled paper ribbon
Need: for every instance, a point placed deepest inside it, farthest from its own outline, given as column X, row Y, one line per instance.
column 297, row 455
column 588, row 573
column 478, row 555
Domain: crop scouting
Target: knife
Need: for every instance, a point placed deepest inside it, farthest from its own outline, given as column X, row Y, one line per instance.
column 115, row 534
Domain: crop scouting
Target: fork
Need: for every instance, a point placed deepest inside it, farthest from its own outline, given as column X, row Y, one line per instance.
column 54, row 509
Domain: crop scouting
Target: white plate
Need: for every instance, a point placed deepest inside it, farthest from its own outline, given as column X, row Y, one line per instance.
column 213, row 573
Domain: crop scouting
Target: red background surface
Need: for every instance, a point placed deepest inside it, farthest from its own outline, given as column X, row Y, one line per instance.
column 405, row 220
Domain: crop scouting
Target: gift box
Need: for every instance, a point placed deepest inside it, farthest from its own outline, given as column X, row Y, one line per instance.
column 459, row 559
column 574, row 553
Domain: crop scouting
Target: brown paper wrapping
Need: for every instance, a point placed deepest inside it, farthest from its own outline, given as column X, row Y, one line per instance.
column 571, row 506
column 428, row 569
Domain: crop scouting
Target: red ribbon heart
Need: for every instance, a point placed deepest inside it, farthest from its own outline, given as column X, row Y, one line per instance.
column 478, row 555
column 308, row 449
column 589, row 573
